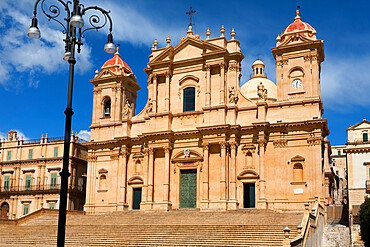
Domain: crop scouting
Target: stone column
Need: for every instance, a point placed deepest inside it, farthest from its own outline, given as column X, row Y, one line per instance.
column 38, row 176
column 206, row 172
column 17, row 176
column 154, row 93
column 167, row 97
column 72, row 178
column 118, row 104
column 123, row 178
column 232, row 172
column 223, row 171
column 145, row 175
column 166, row 184
column 222, row 83
column 261, row 146
column 43, row 176
column 1, row 175
column 150, row 175
column 208, row 85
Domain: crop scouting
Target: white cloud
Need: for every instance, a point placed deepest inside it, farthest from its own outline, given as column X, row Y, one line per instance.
column 345, row 81
column 27, row 55
column 138, row 29
column 84, row 134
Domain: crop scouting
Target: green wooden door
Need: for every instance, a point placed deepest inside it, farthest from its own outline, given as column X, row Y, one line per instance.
column 136, row 198
column 188, row 189
column 249, row 195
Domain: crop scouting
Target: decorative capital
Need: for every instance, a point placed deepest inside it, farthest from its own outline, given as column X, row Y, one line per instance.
column 233, row 145
column 168, row 74
column 207, row 67
column 167, row 149
column 205, row 146
column 151, row 151
column 262, row 142
column 223, row 145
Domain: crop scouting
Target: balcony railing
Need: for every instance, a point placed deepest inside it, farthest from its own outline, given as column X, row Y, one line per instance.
column 368, row 186
column 38, row 189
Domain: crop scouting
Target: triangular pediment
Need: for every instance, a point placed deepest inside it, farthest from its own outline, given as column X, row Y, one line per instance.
column 105, row 73
column 188, row 48
column 295, row 39
column 364, row 124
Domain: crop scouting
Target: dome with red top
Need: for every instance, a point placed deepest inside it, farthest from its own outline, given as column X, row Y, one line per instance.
column 298, row 26
column 116, row 64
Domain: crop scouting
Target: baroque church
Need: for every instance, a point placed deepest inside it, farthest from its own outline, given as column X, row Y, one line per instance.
column 203, row 140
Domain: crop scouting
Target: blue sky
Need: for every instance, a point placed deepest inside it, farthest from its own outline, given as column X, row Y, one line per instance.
column 33, row 76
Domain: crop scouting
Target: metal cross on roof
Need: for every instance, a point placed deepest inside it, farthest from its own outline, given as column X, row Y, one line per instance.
column 190, row 15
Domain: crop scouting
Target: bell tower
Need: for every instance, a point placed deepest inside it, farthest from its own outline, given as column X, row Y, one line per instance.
column 298, row 55
column 115, row 93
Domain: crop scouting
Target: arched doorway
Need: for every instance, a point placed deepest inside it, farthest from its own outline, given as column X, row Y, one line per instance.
column 4, row 210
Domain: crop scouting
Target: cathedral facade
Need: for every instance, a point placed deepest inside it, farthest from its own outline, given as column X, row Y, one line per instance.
column 203, row 140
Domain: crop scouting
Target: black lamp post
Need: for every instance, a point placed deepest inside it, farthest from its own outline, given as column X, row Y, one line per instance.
column 74, row 33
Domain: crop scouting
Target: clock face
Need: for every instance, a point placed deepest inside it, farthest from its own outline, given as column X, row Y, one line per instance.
column 296, row 83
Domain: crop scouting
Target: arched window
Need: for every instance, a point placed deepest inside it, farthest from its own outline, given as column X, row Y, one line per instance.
column 4, row 210
column 189, row 99
column 298, row 172
column 103, row 182
column 106, row 107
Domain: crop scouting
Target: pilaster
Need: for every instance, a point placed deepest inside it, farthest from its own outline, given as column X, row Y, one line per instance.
column 208, row 85
column 262, row 142
column 205, row 201
column 232, row 204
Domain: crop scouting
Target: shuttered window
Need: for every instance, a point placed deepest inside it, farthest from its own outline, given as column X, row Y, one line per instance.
column 26, row 208
column 51, row 205
column 53, row 180
column 9, row 155
column 30, row 154
column 6, row 183
column 365, row 137
column 28, row 182
column 56, row 151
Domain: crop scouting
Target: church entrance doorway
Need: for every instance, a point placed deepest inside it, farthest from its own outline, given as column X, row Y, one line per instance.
column 4, row 210
column 136, row 198
column 249, row 195
column 188, row 188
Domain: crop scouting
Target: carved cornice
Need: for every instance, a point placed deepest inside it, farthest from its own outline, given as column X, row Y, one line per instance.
column 281, row 143
column 312, row 141
column 357, row 150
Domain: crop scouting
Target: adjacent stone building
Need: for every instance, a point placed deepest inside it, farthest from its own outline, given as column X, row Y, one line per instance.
column 358, row 159
column 339, row 165
column 203, row 140
column 29, row 178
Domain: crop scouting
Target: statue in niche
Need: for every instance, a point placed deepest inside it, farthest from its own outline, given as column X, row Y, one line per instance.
column 126, row 112
column 233, row 98
column 149, row 106
column 262, row 92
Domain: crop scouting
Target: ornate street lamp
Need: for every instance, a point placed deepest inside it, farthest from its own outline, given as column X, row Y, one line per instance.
column 72, row 28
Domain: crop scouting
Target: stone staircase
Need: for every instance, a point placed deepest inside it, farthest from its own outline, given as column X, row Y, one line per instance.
column 175, row 228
